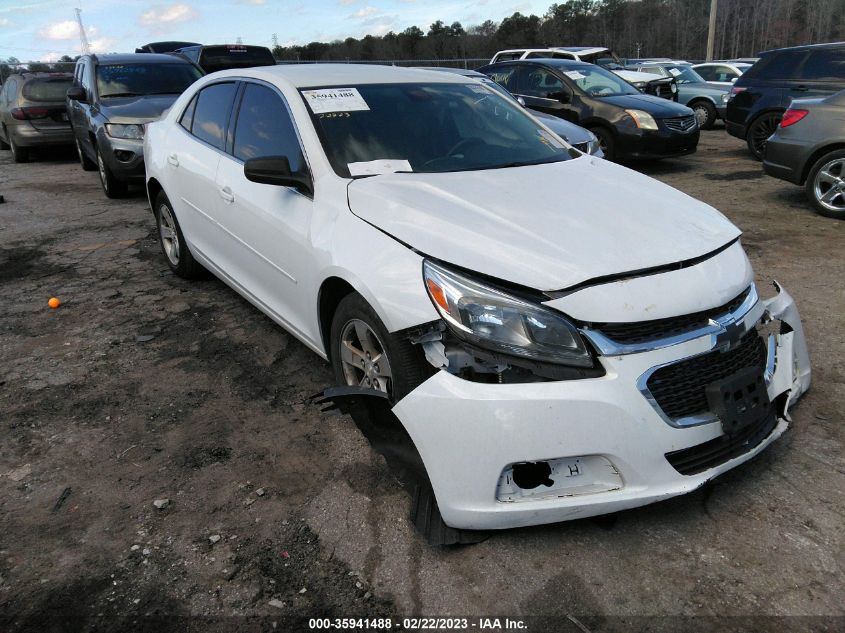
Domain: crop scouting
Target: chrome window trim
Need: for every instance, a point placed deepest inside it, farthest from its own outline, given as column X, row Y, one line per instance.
column 608, row 347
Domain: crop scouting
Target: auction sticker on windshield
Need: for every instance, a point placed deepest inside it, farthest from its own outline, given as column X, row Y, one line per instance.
column 574, row 74
column 334, row 100
column 378, row 167
column 674, row 72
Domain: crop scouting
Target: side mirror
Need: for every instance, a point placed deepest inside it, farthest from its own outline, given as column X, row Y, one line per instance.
column 560, row 95
column 275, row 170
column 77, row 93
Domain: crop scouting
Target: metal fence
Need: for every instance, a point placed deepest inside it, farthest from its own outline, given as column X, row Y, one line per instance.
column 464, row 62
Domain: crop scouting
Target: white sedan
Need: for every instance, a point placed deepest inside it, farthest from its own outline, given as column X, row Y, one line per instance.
column 560, row 336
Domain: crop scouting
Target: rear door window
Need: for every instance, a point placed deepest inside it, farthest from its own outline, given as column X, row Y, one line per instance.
column 188, row 115
column 781, row 65
column 211, row 113
column 504, row 76
column 264, row 128
column 825, row 65
column 539, row 82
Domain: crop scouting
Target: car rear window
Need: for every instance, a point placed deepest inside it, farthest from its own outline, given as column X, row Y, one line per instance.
column 137, row 79
column 825, row 64
column 777, row 65
column 214, row 58
column 47, row 89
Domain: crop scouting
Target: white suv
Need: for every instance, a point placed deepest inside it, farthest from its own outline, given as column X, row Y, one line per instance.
column 558, row 335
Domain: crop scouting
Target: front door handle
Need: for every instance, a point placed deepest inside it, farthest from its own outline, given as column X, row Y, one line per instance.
column 173, row 159
column 227, row 194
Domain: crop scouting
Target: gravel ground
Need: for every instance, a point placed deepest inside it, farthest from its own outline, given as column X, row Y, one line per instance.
column 145, row 387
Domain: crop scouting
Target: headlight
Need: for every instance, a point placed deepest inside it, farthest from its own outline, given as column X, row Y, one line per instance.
column 643, row 120
column 725, row 97
column 494, row 320
column 131, row 131
column 639, row 85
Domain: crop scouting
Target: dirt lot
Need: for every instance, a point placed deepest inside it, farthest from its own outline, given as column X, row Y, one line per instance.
column 144, row 387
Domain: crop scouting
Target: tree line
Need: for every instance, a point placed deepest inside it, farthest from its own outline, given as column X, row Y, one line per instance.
column 633, row 28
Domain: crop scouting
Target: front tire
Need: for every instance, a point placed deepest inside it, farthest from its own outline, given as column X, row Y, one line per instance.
column 606, row 142
column 705, row 114
column 825, row 186
column 760, row 131
column 364, row 354
column 87, row 163
column 112, row 187
column 172, row 241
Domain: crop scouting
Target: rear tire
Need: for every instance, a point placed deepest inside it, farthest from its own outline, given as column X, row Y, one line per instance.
column 760, row 131
column 19, row 154
column 827, row 178
column 112, row 187
column 705, row 114
column 4, row 144
column 606, row 142
column 359, row 338
column 172, row 241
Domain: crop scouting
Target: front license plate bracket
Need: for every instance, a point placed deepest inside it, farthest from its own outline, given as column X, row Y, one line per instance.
column 740, row 400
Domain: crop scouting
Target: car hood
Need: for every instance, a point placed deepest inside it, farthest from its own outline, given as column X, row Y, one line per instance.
column 136, row 109
column 571, row 133
column 655, row 106
column 547, row 227
column 635, row 76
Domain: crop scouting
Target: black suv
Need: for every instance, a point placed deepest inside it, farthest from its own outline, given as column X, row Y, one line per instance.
column 112, row 99
column 225, row 56
column 760, row 96
column 628, row 124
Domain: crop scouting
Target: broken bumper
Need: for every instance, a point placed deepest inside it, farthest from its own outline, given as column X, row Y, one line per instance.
column 602, row 430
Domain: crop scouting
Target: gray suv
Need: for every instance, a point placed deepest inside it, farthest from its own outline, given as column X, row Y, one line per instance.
column 112, row 99
column 32, row 112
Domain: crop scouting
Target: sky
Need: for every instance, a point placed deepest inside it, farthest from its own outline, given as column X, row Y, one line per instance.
column 46, row 29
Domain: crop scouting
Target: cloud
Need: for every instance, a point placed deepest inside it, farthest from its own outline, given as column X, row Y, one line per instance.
column 256, row 3
column 365, row 12
column 162, row 16
column 65, row 30
column 6, row 22
column 102, row 45
column 346, row 3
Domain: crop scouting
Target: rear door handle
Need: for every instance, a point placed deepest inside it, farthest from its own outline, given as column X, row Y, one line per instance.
column 173, row 159
column 227, row 194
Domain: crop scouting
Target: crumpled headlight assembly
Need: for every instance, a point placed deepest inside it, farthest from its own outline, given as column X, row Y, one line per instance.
column 134, row 131
column 494, row 320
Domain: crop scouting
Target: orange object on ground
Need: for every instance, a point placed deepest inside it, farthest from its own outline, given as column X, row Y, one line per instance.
column 54, row 302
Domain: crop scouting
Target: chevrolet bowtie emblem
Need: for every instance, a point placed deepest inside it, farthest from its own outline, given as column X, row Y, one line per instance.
column 728, row 335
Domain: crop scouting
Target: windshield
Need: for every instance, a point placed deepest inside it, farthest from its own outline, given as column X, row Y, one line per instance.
column 427, row 128
column 47, row 89
column 605, row 59
column 598, row 82
column 682, row 74
column 130, row 80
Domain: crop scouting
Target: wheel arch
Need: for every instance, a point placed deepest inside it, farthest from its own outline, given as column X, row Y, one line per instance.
column 761, row 114
column 153, row 189
column 816, row 155
column 331, row 293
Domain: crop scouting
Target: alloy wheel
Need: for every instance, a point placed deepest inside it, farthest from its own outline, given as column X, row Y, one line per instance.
column 101, row 167
column 701, row 115
column 363, row 358
column 761, row 131
column 168, row 233
column 829, row 185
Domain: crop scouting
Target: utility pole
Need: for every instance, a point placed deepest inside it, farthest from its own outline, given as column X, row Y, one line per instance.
column 711, row 32
column 275, row 40
column 86, row 48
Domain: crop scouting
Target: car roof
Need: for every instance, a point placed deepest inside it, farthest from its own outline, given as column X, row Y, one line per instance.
column 580, row 49
column 805, row 47
column 139, row 58
column 562, row 63
column 316, row 75
column 464, row 72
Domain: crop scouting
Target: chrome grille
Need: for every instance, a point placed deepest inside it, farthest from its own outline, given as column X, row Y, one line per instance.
column 680, row 123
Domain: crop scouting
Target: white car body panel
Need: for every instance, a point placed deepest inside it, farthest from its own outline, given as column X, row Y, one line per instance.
column 628, row 75
column 547, row 227
column 484, row 223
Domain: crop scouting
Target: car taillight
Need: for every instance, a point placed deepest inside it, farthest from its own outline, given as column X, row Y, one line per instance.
column 32, row 112
column 737, row 89
column 791, row 117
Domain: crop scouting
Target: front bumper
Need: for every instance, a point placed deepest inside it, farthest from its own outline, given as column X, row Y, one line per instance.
column 786, row 159
column 124, row 157
column 468, row 434
column 662, row 143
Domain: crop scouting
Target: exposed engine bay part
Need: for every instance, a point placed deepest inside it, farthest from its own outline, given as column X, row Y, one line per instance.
column 371, row 411
column 445, row 351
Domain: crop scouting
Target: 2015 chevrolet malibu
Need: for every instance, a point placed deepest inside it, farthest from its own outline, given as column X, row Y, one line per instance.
column 560, row 336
